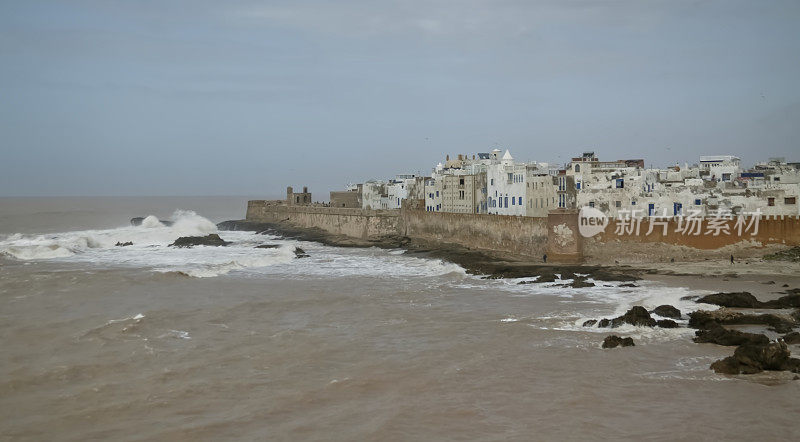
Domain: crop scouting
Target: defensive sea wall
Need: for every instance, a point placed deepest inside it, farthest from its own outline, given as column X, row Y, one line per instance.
column 557, row 235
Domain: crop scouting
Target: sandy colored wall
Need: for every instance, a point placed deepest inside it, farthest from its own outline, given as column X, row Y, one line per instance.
column 357, row 223
column 517, row 235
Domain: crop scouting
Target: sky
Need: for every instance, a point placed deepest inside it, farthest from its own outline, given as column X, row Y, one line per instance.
column 245, row 98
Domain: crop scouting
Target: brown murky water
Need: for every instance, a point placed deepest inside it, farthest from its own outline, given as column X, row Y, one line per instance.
column 349, row 344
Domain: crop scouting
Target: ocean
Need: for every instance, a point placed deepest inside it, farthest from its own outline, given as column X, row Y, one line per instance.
column 151, row 342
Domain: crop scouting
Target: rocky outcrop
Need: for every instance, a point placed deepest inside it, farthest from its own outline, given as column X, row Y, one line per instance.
column 747, row 300
column 137, row 221
column 720, row 335
column 667, row 311
column 666, row 323
column 590, row 323
column 734, row 299
column 753, row 358
column 124, row 244
column 703, row 319
column 637, row 316
column 614, row 341
column 208, row 240
column 792, row 338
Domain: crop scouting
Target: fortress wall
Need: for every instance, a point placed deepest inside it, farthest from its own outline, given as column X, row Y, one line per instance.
column 556, row 235
column 516, row 235
column 356, row 223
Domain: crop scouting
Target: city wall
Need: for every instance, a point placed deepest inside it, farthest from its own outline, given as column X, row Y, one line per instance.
column 557, row 235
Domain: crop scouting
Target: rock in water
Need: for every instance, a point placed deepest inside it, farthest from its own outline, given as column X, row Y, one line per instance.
column 720, row 335
column 614, row 341
column 755, row 358
column 735, row 299
column 667, row 323
column 590, row 323
column 667, row 311
column 792, row 338
column 268, row 246
column 300, row 253
column 124, row 244
column 637, row 316
column 208, row 240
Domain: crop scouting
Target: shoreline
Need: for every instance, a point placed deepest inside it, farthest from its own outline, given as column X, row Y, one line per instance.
column 496, row 264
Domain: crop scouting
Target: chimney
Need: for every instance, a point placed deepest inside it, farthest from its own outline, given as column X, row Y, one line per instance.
column 305, row 189
column 447, row 158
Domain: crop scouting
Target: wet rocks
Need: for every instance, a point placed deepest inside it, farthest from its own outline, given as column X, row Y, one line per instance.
column 604, row 322
column 208, row 240
column 792, row 338
column 590, row 323
column 667, row 311
column 734, row 299
column 628, row 284
column 300, row 253
column 637, row 316
column 747, row 300
column 720, row 335
column 123, row 244
column 137, row 221
column 703, row 319
column 666, row 323
column 614, row 341
column 268, row 246
column 579, row 283
column 754, row 358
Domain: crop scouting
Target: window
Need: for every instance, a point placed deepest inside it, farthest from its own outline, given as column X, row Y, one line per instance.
column 513, row 200
column 591, row 203
column 506, row 202
column 791, row 200
column 520, row 201
column 461, row 194
column 620, row 183
column 633, row 202
column 770, row 202
column 491, row 181
column 726, row 177
column 777, row 178
column 437, row 194
column 461, row 181
column 562, row 200
column 577, row 168
column 578, row 185
column 677, row 209
column 698, row 201
column 617, row 204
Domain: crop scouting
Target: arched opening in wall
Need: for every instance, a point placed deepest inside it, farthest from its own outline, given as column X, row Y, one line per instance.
column 577, row 168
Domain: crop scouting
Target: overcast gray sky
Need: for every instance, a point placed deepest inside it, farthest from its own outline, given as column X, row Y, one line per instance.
column 243, row 97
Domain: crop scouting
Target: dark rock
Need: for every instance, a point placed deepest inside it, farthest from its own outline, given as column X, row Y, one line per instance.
column 667, row 311
column 614, row 341
column 604, row 322
column 769, row 282
column 546, row 277
column 208, row 240
column 124, row 244
column 703, row 319
column 300, row 253
column 268, row 246
column 746, row 300
column 579, row 283
column 792, row 338
column 781, row 328
column 786, row 285
column 667, row 323
column 628, row 284
column 722, row 336
column 590, row 323
column 754, row 358
column 735, row 299
column 137, row 221
column 637, row 316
